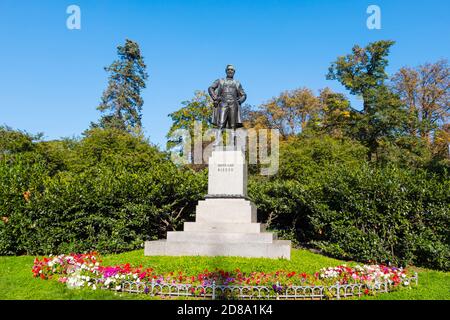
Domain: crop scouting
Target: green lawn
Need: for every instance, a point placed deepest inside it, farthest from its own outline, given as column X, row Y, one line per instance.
column 17, row 282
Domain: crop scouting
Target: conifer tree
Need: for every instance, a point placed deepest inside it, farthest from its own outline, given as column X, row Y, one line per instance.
column 121, row 101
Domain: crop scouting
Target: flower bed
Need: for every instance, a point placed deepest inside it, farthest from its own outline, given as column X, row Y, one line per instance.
column 85, row 270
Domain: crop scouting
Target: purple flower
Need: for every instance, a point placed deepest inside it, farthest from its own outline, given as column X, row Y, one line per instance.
column 110, row 271
column 206, row 283
column 277, row 288
column 146, row 290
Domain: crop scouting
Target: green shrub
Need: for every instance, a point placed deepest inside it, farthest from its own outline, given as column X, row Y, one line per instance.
column 110, row 191
column 108, row 199
column 363, row 213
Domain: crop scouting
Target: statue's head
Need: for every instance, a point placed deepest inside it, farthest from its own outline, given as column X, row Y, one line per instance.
column 230, row 71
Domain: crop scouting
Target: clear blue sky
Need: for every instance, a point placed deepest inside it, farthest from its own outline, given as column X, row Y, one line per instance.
column 52, row 78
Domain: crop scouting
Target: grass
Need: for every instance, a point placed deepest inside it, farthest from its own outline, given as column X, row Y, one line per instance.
column 17, row 282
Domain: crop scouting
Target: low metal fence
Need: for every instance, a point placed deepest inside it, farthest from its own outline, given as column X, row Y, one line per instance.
column 213, row 291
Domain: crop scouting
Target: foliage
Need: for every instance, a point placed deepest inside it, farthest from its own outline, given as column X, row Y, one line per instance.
column 383, row 120
column 302, row 157
column 123, row 98
column 425, row 92
column 363, row 73
column 335, row 116
column 354, row 210
column 363, row 70
column 116, row 193
column 14, row 141
column 196, row 110
column 290, row 111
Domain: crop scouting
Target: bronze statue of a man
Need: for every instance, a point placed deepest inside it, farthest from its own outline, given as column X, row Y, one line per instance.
column 228, row 95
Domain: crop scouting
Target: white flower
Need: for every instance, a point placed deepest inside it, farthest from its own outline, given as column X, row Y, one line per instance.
column 118, row 287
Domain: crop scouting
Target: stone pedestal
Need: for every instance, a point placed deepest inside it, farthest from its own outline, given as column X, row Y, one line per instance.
column 225, row 222
column 227, row 174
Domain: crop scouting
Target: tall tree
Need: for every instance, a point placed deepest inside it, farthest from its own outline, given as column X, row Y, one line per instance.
column 362, row 71
column 405, row 83
column 290, row 111
column 384, row 122
column 199, row 108
column 425, row 90
column 335, row 116
column 122, row 101
column 254, row 118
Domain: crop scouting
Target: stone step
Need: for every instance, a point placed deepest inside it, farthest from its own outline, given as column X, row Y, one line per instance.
column 231, row 217
column 276, row 249
column 224, row 227
column 226, row 211
column 221, row 202
column 190, row 236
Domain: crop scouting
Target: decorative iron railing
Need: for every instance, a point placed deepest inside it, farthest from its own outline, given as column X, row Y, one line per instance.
column 213, row 291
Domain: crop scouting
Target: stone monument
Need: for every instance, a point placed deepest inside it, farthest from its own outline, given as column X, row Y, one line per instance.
column 226, row 221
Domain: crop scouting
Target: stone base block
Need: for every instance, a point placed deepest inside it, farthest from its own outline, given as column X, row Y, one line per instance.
column 210, row 237
column 224, row 227
column 225, row 211
column 274, row 250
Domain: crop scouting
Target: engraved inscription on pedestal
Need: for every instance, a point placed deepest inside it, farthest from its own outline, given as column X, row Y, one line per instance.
column 227, row 174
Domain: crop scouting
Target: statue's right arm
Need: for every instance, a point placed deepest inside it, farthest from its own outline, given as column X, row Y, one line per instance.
column 212, row 90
